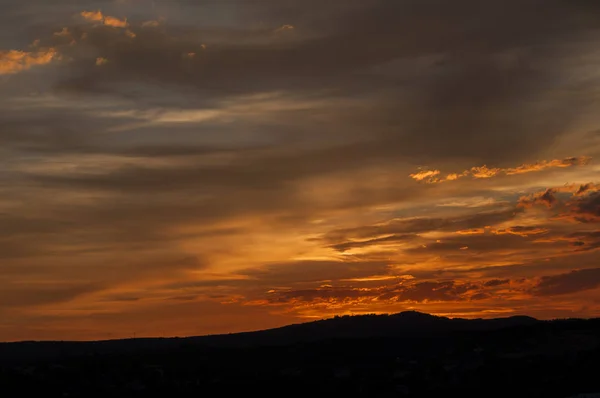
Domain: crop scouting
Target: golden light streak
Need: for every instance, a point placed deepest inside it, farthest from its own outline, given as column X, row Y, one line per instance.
column 484, row 172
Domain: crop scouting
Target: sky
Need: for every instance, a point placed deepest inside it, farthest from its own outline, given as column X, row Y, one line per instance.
column 179, row 167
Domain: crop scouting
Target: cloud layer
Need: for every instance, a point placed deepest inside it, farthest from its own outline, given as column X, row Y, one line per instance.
column 249, row 164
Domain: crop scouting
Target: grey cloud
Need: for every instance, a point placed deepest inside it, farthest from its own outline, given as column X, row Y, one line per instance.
column 17, row 295
column 418, row 225
column 496, row 282
column 470, row 93
column 293, row 273
column 567, row 283
column 122, row 298
column 315, row 271
column 474, row 243
column 593, row 235
column 337, row 61
column 587, row 208
column 345, row 246
column 517, row 269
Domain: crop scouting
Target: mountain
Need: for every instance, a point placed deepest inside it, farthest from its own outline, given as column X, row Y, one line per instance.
column 367, row 326
column 409, row 354
column 405, row 324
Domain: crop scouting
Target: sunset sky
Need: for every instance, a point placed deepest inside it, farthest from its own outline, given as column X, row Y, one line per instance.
column 186, row 167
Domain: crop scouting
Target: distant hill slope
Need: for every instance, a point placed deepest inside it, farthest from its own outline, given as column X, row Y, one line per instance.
column 403, row 355
column 367, row 326
column 403, row 324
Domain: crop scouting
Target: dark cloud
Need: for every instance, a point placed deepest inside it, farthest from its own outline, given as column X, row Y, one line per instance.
column 342, row 247
column 496, row 282
column 546, row 198
column 585, row 188
column 587, row 208
column 293, row 273
column 586, row 235
column 358, row 53
column 18, row 295
column 122, row 298
column 416, row 225
column 586, row 241
column 551, row 197
column 479, row 247
column 517, row 269
column 363, row 49
column 315, row 271
column 480, row 296
column 571, row 282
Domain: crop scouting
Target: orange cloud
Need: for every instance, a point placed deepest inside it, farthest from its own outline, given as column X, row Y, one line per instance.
column 429, row 176
column 115, row 22
column 520, row 231
column 15, row 61
column 151, row 24
column 545, row 164
column 63, row 32
column 487, row 172
column 474, row 231
column 97, row 16
column 454, row 176
column 408, row 290
column 93, row 16
column 484, row 172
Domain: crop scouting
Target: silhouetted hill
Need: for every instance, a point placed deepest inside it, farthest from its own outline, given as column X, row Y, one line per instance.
column 403, row 355
column 366, row 326
column 405, row 324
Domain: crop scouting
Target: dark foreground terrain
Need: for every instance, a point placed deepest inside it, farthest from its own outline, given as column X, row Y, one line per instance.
column 403, row 355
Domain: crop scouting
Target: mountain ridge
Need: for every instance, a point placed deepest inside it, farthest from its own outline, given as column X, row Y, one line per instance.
column 408, row 324
column 412, row 316
column 408, row 354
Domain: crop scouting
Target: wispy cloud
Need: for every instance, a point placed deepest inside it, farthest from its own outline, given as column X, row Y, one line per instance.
column 572, row 282
column 482, row 172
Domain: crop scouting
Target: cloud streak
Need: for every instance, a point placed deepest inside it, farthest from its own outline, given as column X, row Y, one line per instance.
column 572, row 282
column 482, row 172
